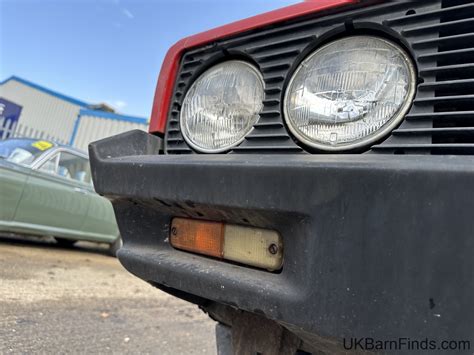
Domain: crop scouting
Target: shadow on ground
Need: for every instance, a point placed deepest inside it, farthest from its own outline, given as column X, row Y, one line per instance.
column 49, row 242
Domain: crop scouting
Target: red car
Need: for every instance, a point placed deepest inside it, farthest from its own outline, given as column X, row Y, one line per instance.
column 308, row 178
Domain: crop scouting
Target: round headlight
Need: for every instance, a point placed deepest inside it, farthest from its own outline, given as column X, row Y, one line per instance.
column 349, row 93
column 222, row 106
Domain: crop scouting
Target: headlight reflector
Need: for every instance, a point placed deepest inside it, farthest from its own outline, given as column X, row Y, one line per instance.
column 221, row 106
column 349, row 93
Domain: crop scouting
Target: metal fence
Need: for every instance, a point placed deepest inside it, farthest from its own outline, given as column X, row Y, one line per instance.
column 17, row 130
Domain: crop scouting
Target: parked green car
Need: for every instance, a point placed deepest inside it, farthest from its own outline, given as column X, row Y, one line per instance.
column 46, row 189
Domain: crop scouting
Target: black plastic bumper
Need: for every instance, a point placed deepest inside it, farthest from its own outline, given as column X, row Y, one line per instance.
column 375, row 246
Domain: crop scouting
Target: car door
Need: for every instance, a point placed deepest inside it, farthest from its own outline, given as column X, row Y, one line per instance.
column 12, row 182
column 53, row 199
column 100, row 220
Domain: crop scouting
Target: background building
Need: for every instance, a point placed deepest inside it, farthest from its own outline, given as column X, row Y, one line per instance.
column 28, row 109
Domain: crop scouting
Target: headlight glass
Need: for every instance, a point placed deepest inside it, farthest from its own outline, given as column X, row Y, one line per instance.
column 349, row 93
column 222, row 106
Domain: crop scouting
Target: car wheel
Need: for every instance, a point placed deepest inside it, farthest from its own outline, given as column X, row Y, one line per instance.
column 115, row 246
column 64, row 242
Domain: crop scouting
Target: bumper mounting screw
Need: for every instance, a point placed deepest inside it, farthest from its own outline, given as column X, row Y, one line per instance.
column 273, row 249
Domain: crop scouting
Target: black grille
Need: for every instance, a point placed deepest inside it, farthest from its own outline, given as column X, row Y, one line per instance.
column 438, row 33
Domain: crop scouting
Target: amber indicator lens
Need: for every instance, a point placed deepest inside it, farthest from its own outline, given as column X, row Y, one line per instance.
column 200, row 237
column 256, row 247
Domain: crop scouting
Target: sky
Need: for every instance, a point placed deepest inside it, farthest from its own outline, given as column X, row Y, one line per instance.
column 106, row 50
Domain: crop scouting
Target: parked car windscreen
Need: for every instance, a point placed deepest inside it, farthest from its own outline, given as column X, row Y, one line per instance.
column 23, row 151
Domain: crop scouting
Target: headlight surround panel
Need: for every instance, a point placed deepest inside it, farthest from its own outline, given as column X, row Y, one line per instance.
column 349, row 93
column 277, row 52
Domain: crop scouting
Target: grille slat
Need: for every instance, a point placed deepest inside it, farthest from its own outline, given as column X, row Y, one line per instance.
column 269, row 124
column 465, row 52
column 455, row 148
column 174, row 139
column 455, row 115
column 447, row 84
column 271, row 102
column 436, row 27
column 192, row 63
column 274, row 79
column 432, row 131
column 268, row 136
column 280, row 44
column 430, row 14
column 272, row 90
column 440, row 34
column 447, row 68
column 275, row 67
column 185, row 74
column 179, row 147
column 265, row 148
column 270, row 113
column 277, row 55
column 443, row 99
column 455, row 39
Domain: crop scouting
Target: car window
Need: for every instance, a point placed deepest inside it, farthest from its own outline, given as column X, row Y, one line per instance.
column 21, row 156
column 50, row 166
column 74, row 167
column 23, row 151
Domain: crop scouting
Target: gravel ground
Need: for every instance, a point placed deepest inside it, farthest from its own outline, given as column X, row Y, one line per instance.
column 79, row 300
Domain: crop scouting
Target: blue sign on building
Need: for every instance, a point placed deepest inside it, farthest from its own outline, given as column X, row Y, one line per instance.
column 9, row 116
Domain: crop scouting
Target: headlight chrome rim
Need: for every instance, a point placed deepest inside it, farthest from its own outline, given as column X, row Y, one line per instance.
column 184, row 131
column 365, row 142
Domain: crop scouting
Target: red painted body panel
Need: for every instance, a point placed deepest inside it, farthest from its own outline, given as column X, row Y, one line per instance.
column 165, row 85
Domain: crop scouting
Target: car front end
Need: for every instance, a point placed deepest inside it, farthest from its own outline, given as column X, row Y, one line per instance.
column 334, row 138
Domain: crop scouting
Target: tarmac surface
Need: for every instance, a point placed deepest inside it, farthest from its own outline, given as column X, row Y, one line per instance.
column 80, row 300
